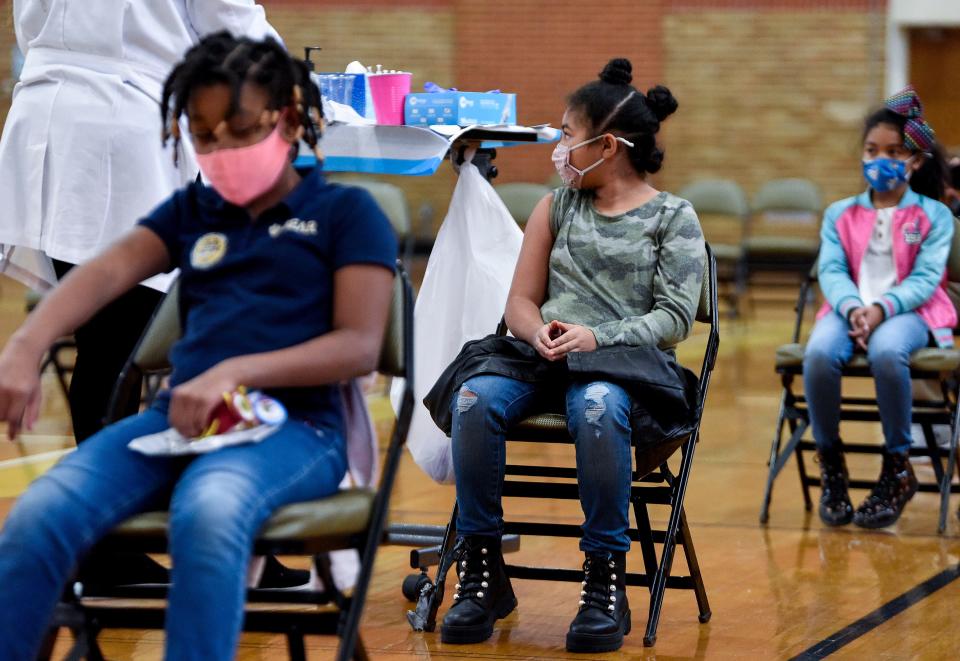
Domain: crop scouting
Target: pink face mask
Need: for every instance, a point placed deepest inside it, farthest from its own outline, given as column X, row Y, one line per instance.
column 570, row 175
column 242, row 174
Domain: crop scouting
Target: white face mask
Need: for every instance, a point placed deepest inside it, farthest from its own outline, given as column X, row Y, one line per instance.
column 570, row 175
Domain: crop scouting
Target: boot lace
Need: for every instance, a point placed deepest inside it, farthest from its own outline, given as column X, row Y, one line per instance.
column 834, row 481
column 887, row 492
column 598, row 586
column 473, row 570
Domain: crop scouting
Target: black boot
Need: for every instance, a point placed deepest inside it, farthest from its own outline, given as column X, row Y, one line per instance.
column 484, row 593
column 604, row 616
column 896, row 486
column 835, row 506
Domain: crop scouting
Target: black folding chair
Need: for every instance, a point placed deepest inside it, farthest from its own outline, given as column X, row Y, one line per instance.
column 653, row 484
column 351, row 519
column 928, row 364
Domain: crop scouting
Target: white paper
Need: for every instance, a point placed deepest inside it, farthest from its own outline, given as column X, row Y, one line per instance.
column 171, row 443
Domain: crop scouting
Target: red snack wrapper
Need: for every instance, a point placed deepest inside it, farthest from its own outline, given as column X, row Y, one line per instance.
column 234, row 412
column 242, row 410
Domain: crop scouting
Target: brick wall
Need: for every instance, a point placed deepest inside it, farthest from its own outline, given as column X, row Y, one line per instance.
column 774, row 88
column 546, row 49
column 767, row 94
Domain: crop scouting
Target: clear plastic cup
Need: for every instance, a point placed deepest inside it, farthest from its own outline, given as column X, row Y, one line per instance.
column 337, row 87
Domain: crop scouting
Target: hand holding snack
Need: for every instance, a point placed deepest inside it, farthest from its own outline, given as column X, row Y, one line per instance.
column 240, row 417
column 241, row 410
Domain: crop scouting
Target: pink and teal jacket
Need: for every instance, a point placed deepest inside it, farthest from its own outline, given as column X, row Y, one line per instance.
column 922, row 233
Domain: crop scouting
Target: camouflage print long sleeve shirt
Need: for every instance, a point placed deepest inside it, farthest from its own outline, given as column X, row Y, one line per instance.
column 633, row 279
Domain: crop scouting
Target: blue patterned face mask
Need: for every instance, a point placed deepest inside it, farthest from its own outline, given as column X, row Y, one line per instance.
column 886, row 174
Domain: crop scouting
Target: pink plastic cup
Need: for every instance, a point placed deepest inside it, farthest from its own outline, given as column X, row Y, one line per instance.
column 387, row 91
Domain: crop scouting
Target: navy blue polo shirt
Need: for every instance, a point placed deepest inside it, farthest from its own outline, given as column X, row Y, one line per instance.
column 254, row 285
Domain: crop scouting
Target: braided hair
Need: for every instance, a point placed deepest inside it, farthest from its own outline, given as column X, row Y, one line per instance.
column 612, row 105
column 221, row 58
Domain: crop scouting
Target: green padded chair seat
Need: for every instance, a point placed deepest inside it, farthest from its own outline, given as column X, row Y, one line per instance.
column 313, row 524
column 543, row 422
column 782, row 245
column 924, row 360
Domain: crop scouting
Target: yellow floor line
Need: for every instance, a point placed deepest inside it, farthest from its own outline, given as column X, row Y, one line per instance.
column 34, row 458
column 17, row 473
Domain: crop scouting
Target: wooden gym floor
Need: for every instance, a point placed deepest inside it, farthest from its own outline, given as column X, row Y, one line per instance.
column 790, row 588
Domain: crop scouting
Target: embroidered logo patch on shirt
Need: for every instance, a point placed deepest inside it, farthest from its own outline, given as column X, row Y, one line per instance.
column 911, row 237
column 307, row 227
column 208, row 250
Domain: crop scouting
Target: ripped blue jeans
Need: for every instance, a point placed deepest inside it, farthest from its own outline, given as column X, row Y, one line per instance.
column 598, row 417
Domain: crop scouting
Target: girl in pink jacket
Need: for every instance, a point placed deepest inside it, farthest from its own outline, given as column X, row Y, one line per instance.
column 882, row 270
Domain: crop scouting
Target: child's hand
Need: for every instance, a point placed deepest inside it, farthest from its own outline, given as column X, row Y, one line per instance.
column 20, row 394
column 545, row 339
column 863, row 321
column 573, row 338
column 192, row 403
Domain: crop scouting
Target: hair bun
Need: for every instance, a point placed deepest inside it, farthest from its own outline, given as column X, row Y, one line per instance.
column 661, row 102
column 618, row 71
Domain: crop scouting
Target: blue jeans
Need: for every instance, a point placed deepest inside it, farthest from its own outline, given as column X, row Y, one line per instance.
column 888, row 350
column 217, row 501
column 598, row 417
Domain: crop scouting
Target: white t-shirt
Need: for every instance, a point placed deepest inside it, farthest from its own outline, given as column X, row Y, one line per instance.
column 878, row 273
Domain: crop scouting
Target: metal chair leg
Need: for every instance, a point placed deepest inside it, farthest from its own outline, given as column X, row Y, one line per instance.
column 780, row 460
column 802, row 467
column 645, row 531
column 677, row 494
column 360, row 650
column 659, row 584
column 49, row 641
column 936, row 460
column 424, row 616
column 691, row 555
column 295, row 645
column 772, row 461
column 86, row 645
column 948, row 476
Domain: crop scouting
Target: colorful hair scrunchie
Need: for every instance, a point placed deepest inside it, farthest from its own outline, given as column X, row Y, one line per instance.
column 917, row 134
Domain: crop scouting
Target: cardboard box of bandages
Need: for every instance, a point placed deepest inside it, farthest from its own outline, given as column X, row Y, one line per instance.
column 459, row 108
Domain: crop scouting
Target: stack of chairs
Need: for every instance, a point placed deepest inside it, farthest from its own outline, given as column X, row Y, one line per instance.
column 521, row 199
column 724, row 212
column 784, row 230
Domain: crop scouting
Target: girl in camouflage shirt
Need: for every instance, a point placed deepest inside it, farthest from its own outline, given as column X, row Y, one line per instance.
column 607, row 262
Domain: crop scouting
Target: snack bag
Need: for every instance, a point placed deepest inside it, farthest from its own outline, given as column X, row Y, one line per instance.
column 242, row 417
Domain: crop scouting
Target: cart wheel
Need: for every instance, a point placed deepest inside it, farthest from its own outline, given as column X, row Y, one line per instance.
column 412, row 585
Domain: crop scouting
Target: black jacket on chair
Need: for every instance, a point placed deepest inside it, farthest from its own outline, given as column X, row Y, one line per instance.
column 663, row 393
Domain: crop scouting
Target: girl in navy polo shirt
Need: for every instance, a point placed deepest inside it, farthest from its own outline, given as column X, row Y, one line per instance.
column 285, row 288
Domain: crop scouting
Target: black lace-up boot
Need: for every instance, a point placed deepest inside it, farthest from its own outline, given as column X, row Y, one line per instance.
column 896, row 486
column 484, row 593
column 835, row 506
column 604, row 616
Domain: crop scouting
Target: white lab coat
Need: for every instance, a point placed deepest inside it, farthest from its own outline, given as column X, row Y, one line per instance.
column 80, row 156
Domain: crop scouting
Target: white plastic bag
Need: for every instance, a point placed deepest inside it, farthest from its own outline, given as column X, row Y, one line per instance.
column 462, row 298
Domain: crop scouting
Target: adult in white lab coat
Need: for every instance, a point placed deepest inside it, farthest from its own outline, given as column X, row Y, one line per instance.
column 81, row 158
